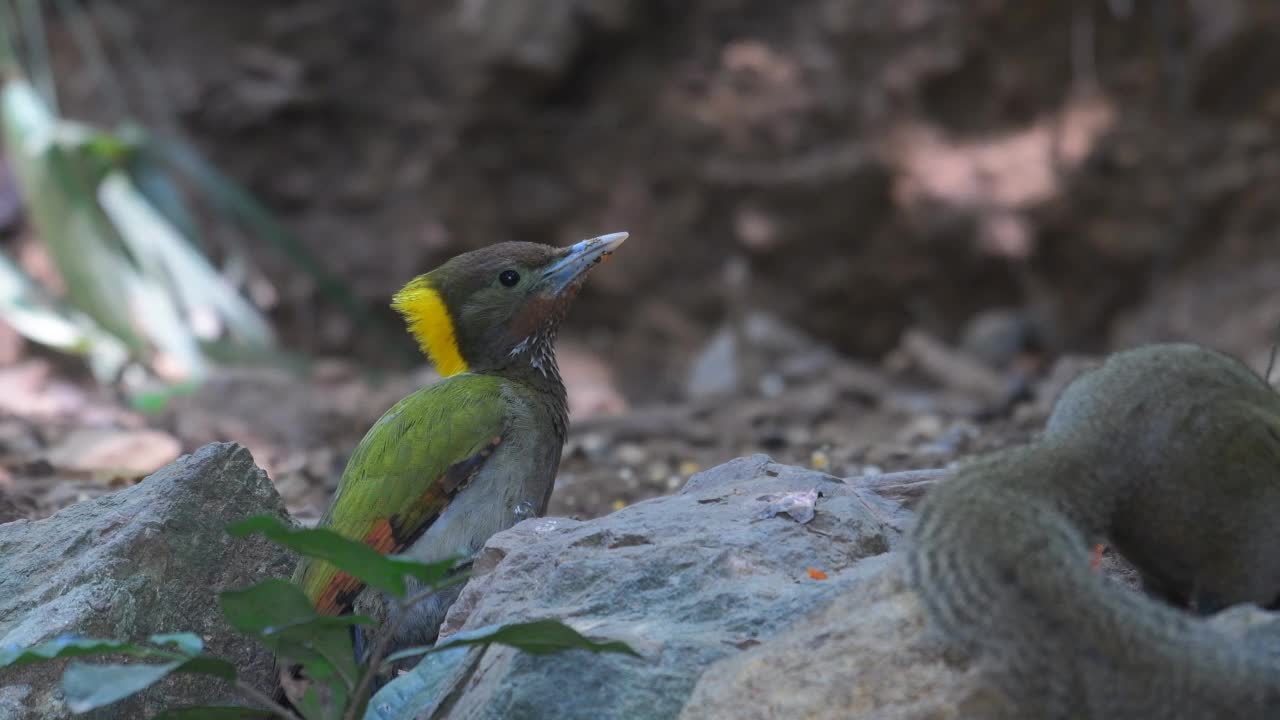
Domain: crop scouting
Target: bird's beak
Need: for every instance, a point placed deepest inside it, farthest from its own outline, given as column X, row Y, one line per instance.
column 572, row 267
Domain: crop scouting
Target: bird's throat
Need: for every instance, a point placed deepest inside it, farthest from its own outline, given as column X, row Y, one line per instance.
column 431, row 325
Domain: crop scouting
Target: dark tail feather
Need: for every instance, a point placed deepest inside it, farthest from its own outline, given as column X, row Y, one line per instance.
column 358, row 644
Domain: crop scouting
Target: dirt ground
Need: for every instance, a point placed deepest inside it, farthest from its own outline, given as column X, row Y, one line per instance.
column 864, row 235
column 62, row 441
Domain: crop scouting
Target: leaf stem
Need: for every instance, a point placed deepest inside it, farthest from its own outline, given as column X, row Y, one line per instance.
column 262, row 698
column 337, row 666
column 380, row 648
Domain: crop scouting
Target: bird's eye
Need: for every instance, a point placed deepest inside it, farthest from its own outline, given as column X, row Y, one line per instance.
column 509, row 278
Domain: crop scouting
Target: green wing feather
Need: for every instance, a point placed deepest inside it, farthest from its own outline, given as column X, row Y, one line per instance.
column 404, row 472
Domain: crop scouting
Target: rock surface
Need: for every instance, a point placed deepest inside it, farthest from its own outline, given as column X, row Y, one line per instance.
column 686, row 580
column 866, row 655
column 148, row 559
column 736, row 615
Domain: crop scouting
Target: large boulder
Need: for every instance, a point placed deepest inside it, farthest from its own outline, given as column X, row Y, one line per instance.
column 686, row 580
column 737, row 614
column 148, row 559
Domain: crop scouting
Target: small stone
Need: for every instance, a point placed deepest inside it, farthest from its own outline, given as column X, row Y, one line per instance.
column 819, row 460
column 657, row 472
column 772, row 385
column 630, row 454
column 592, row 443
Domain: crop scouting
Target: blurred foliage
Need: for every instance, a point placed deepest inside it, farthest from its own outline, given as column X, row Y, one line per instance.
column 125, row 265
column 112, row 208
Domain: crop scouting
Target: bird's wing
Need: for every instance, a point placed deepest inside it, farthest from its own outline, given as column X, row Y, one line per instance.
column 403, row 474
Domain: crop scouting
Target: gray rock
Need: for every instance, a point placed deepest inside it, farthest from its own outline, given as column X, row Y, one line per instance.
column 866, row 654
column 776, row 356
column 722, row 606
column 148, row 559
column 686, row 580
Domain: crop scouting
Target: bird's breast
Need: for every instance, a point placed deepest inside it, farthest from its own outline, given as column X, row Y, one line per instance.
column 513, row 484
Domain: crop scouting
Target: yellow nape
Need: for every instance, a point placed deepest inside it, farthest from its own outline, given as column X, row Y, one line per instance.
column 429, row 321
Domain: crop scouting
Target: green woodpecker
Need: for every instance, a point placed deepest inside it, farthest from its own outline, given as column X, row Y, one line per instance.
column 476, row 452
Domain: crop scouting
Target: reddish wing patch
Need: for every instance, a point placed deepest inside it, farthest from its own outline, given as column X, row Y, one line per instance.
column 338, row 594
column 409, row 525
column 394, row 534
column 1095, row 557
column 383, row 536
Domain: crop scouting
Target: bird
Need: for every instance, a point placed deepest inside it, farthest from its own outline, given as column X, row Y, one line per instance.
column 474, row 453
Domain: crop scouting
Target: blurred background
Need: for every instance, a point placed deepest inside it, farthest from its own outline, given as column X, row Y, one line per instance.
column 865, row 234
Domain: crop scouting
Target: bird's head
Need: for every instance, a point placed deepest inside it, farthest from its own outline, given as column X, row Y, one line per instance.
column 500, row 305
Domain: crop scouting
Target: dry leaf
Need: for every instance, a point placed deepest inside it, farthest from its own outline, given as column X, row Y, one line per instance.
column 113, row 452
column 799, row 506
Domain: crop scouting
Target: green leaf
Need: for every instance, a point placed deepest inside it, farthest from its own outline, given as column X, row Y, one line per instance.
column 211, row 712
column 280, row 616
column 323, row 646
column 420, row 691
column 311, row 706
column 359, row 560
column 268, row 604
column 539, row 637
column 274, row 606
column 208, row 665
column 92, row 686
column 108, row 149
column 187, row 643
column 71, row 646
